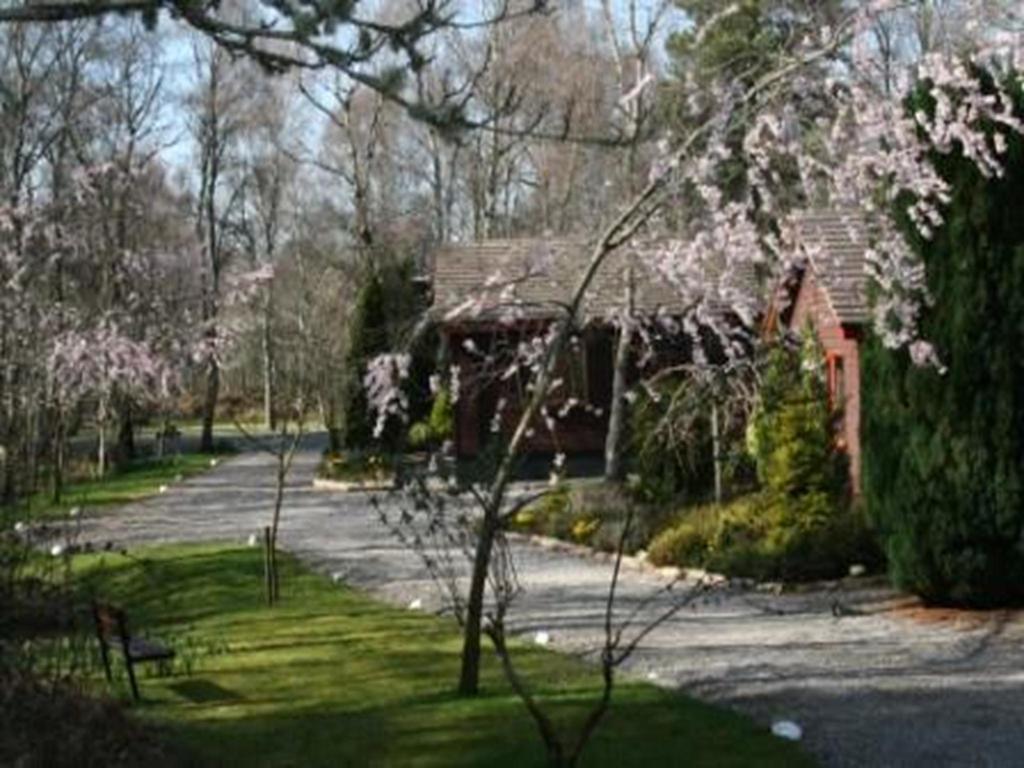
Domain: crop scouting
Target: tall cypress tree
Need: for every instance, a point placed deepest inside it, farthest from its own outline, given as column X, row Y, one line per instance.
column 368, row 337
column 944, row 452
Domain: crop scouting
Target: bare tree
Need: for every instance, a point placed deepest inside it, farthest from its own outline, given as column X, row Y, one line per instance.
column 282, row 446
column 269, row 173
column 217, row 115
column 439, row 530
column 377, row 50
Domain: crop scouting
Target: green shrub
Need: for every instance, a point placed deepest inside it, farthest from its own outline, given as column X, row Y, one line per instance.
column 593, row 515
column 368, row 337
column 420, row 435
column 755, row 537
column 687, row 542
column 439, row 425
column 442, row 416
column 387, row 304
column 666, row 472
column 546, row 516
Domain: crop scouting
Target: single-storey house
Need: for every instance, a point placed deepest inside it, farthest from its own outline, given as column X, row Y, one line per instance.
column 828, row 289
column 493, row 298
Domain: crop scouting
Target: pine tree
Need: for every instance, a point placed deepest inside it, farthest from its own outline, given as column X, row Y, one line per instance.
column 944, row 452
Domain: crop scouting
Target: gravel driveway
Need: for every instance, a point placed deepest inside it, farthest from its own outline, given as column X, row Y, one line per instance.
column 873, row 687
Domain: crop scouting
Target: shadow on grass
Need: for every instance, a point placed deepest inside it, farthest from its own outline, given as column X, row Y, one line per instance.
column 204, row 692
column 330, row 677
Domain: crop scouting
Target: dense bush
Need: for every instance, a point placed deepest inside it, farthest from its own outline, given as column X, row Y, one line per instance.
column 53, row 725
column 800, row 525
column 368, row 337
column 751, row 537
column 688, row 541
column 664, row 470
column 358, row 466
column 944, row 451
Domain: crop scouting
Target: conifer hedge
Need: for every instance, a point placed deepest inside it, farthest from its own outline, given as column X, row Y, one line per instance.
column 944, row 452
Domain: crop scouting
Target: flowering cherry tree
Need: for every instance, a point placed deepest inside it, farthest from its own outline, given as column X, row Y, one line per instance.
column 857, row 150
column 99, row 363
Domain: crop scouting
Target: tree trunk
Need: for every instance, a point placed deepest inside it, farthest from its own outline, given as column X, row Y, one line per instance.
column 210, row 405
column 613, row 466
column 269, row 421
column 126, row 433
column 469, row 677
column 101, row 452
column 59, row 449
column 282, row 476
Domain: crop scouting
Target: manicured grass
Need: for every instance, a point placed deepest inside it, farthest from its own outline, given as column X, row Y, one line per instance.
column 131, row 482
column 331, row 677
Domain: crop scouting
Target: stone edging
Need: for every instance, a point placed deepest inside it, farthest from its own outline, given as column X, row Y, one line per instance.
column 633, row 562
column 673, row 573
column 322, row 484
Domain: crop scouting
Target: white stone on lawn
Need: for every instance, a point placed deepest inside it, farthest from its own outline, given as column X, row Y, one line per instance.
column 542, row 638
column 74, row 512
column 787, row 729
column 338, row 576
column 19, row 527
column 416, row 605
column 652, row 675
column 57, row 550
column 163, row 489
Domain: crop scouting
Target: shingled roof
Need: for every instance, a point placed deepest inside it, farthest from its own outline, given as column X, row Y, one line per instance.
column 533, row 278
column 836, row 243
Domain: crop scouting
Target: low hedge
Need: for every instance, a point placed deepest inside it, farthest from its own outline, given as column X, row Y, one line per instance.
column 358, row 466
column 591, row 514
column 756, row 537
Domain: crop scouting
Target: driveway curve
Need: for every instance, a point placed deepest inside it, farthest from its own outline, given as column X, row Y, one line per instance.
column 873, row 686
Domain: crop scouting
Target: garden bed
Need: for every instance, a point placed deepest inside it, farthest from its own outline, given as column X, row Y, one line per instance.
column 356, row 471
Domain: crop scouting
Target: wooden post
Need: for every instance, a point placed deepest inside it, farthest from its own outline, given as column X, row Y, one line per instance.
column 274, row 581
column 268, row 578
column 716, row 448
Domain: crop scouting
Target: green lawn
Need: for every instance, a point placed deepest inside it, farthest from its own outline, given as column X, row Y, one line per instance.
column 134, row 481
column 331, row 677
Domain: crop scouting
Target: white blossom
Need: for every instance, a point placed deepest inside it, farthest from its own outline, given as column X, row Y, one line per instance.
column 385, row 375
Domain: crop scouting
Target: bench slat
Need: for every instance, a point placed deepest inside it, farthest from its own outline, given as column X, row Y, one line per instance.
column 141, row 649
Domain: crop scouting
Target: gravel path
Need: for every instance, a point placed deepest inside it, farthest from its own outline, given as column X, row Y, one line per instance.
column 873, row 687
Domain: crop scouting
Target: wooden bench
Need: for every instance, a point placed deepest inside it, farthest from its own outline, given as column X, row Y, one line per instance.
column 112, row 632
